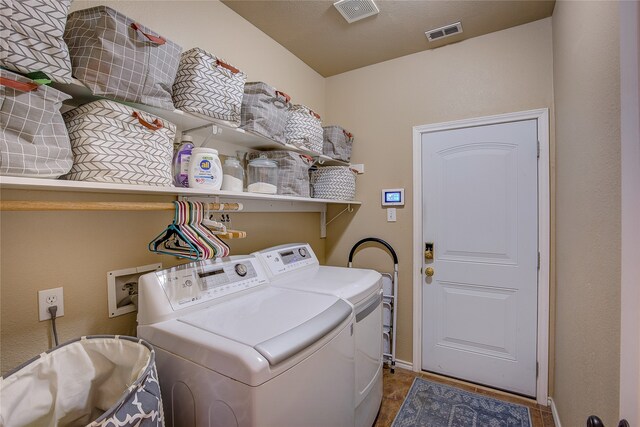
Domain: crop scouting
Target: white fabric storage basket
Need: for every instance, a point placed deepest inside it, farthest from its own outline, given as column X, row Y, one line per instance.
column 31, row 37
column 334, row 182
column 304, row 129
column 112, row 142
column 293, row 171
column 205, row 84
column 92, row 381
column 337, row 143
column 118, row 58
column 264, row 110
column 33, row 138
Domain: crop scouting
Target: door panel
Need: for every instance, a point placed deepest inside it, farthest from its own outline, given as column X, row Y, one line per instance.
column 480, row 211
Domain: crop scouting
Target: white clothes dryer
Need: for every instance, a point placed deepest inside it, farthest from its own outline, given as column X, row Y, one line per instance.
column 295, row 266
column 233, row 351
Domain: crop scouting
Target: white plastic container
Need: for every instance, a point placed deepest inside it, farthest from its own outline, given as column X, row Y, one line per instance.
column 205, row 170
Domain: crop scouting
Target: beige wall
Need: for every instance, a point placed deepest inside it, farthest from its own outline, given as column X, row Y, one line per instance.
column 41, row 250
column 502, row 72
column 587, row 99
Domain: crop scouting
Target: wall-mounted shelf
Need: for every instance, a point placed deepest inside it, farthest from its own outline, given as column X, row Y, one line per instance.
column 223, row 130
column 20, row 183
column 252, row 202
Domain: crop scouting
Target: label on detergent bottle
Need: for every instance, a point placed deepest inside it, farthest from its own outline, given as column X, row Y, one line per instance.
column 206, row 174
column 205, row 170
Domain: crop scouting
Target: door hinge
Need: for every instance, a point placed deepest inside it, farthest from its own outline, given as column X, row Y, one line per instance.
column 538, row 148
column 537, row 369
column 538, row 260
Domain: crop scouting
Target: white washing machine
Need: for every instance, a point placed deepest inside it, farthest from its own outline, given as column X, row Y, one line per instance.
column 295, row 266
column 231, row 350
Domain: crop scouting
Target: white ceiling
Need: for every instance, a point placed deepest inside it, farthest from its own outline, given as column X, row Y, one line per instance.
column 315, row 32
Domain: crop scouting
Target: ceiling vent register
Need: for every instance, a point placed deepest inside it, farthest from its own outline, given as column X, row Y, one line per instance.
column 355, row 10
column 442, row 32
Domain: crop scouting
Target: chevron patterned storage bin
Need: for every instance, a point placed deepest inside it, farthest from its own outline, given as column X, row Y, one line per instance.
column 304, row 129
column 112, row 142
column 293, row 171
column 33, row 139
column 264, row 110
column 333, row 182
column 205, row 84
column 337, row 143
column 118, row 58
column 31, row 37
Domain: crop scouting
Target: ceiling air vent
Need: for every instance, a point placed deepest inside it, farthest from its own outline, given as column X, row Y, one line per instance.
column 355, row 10
column 442, row 32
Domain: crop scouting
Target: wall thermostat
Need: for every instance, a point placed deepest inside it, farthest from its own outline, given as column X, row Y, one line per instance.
column 393, row 197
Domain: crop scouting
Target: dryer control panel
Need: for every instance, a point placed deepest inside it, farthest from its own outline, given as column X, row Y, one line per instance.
column 282, row 259
column 203, row 281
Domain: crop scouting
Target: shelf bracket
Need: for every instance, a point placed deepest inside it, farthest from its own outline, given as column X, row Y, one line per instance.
column 324, row 222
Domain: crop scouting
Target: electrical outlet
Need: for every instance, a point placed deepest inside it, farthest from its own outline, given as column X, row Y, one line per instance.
column 49, row 298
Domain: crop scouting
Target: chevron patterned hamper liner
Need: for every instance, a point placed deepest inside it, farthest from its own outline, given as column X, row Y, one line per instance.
column 293, row 171
column 205, row 84
column 334, row 182
column 337, row 143
column 31, row 37
column 118, row 58
column 114, row 143
column 304, row 129
column 265, row 110
column 33, row 139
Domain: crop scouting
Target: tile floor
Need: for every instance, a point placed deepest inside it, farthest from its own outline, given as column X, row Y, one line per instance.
column 397, row 385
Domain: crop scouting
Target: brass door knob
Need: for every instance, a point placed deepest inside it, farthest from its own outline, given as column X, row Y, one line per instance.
column 429, row 271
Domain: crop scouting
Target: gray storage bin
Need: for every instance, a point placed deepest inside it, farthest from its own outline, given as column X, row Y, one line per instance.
column 31, row 38
column 207, row 85
column 293, row 171
column 337, row 143
column 333, row 182
column 304, row 129
column 118, row 58
column 115, row 143
column 265, row 110
column 91, row 381
column 33, row 138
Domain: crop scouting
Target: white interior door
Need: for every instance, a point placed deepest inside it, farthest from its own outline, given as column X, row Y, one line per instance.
column 479, row 309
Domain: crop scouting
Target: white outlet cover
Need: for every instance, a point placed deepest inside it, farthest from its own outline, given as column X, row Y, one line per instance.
column 43, row 304
column 118, row 304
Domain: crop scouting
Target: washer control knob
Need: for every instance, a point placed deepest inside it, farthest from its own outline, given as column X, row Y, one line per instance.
column 303, row 252
column 241, row 269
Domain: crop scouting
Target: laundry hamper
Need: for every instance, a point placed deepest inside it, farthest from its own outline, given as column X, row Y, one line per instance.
column 205, row 84
column 31, row 38
column 304, row 129
column 337, row 143
column 333, row 182
column 293, row 171
column 264, row 110
column 33, row 138
column 119, row 58
column 103, row 380
column 115, row 143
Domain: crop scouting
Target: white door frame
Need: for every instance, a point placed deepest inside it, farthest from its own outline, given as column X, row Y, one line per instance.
column 630, row 164
column 542, row 117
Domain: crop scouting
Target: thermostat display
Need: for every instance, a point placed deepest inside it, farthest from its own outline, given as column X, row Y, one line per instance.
column 393, row 197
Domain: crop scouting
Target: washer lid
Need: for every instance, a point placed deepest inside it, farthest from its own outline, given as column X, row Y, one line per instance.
column 277, row 323
column 352, row 284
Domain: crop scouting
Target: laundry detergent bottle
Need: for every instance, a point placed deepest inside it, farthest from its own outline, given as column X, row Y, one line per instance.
column 181, row 162
column 205, row 170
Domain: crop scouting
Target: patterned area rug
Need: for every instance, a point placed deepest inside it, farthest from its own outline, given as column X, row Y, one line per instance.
column 430, row 404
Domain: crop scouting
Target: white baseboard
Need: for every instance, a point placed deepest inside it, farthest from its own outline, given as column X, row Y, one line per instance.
column 404, row 365
column 554, row 411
